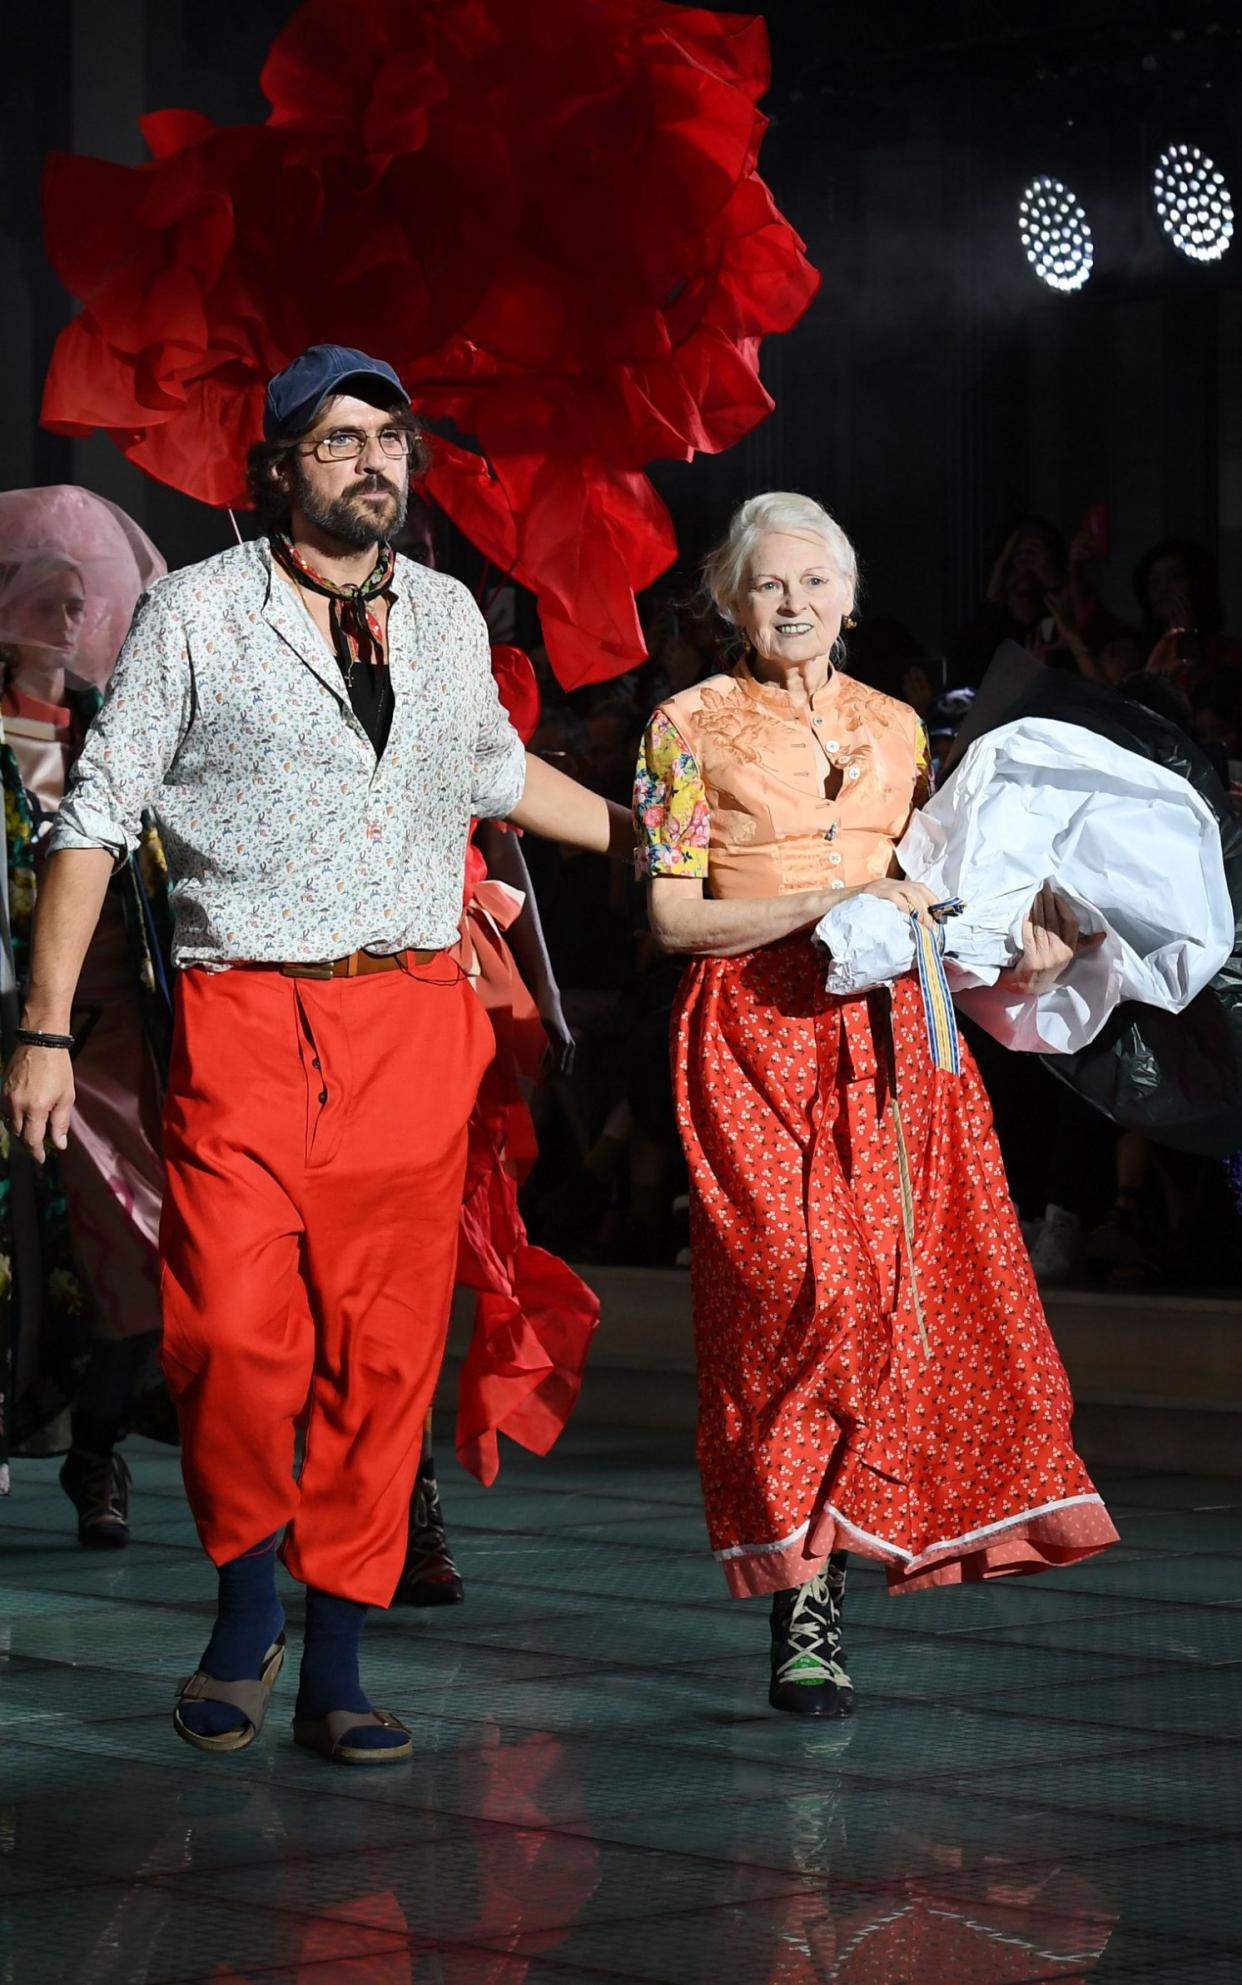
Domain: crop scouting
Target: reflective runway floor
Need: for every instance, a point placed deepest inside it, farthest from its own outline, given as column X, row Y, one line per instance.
column 1043, row 1781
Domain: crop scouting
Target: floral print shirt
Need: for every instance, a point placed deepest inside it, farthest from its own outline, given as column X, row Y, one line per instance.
column 670, row 805
column 287, row 840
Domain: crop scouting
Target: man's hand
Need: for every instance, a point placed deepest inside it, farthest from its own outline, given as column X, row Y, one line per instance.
column 38, row 1098
column 1051, row 940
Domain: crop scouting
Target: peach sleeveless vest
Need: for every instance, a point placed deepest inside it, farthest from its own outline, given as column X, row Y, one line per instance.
column 802, row 796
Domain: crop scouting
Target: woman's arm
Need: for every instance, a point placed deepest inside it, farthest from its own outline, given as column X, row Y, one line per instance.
column 560, row 809
column 684, row 920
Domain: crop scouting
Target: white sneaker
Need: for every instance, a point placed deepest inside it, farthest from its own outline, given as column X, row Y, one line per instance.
column 1058, row 1250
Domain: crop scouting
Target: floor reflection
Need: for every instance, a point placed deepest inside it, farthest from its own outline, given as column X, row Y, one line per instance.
column 1042, row 1783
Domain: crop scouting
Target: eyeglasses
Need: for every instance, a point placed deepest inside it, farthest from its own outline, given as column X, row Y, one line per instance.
column 346, row 444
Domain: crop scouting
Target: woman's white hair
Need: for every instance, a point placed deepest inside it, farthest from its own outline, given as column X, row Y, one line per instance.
column 727, row 569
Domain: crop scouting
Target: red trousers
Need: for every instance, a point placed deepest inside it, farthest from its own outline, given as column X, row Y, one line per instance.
column 315, row 1146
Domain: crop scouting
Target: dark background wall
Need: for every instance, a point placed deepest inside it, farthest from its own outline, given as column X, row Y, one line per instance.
column 934, row 389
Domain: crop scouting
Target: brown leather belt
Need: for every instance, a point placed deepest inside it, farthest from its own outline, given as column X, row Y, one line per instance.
column 359, row 965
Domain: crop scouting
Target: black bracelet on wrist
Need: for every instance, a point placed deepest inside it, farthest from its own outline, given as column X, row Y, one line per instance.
column 30, row 1037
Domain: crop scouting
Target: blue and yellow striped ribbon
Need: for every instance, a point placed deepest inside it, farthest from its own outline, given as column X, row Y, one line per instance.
column 942, row 1036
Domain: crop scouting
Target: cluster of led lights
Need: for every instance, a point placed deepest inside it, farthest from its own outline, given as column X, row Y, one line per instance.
column 1056, row 234
column 1192, row 205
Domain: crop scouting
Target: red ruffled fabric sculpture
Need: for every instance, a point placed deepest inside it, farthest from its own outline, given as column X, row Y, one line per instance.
column 547, row 217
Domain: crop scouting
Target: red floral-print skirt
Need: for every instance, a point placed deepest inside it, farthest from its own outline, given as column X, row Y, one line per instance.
column 826, row 1422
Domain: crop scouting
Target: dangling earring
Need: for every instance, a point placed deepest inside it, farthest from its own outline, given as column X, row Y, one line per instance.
column 851, row 620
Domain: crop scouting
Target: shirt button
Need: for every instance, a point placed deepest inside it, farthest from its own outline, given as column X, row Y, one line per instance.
column 323, row 1095
column 316, row 1063
column 835, row 860
column 832, row 744
column 817, row 720
column 852, row 772
column 838, row 885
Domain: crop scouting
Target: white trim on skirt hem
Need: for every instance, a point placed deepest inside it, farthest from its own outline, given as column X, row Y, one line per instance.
column 908, row 1558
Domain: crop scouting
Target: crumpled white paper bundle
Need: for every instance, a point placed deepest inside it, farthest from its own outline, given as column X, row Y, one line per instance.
column 1131, row 846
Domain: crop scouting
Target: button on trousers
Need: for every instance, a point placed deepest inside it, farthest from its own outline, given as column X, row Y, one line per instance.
column 315, row 1146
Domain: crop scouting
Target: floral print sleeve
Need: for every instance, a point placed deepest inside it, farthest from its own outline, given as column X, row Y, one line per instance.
column 671, row 814
column 924, row 778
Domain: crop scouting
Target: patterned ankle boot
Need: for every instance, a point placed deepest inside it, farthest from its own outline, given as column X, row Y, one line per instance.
column 809, row 1676
column 430, row 1577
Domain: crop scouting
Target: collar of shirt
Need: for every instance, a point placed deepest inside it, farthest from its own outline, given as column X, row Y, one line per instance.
column 810, row 711
column 285, row 610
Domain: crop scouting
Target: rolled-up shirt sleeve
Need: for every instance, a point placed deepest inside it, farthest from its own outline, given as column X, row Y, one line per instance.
column 133, row 740
column 499, row 755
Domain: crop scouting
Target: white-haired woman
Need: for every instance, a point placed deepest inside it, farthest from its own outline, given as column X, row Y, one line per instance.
column 875, row 1370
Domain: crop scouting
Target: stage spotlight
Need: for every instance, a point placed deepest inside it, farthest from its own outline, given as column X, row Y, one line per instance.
column 1193, row 204
column 1056, row 234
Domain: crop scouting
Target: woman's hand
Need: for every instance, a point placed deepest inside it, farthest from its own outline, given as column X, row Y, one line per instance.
column 562, row 1046
column 1164, row 658
column 38, row 1097
column 913, row 898
column 1051, row 940
column 1176, row 612
column 1066, row 635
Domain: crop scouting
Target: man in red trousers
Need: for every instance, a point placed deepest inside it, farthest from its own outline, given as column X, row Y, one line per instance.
column 313, row 721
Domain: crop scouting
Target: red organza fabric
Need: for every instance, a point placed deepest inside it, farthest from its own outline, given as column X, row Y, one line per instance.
column 548, row 218
column 534, row 1319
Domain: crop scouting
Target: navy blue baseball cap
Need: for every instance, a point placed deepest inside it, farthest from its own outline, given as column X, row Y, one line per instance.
column 295, row 395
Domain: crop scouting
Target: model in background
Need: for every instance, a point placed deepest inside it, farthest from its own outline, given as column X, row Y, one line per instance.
column 79, row 1246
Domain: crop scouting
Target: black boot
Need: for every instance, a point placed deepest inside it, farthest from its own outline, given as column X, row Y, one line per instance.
column 430, row 1577
column 98, row 1487
column 809, row 1676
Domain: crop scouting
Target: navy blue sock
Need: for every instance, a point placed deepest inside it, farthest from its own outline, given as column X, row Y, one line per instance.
column 329, row 1679
column 249, row 1618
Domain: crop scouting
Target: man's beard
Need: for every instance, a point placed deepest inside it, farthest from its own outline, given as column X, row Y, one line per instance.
column 344, row 518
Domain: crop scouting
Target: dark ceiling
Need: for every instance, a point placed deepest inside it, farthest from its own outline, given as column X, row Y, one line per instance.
column 1054, row 59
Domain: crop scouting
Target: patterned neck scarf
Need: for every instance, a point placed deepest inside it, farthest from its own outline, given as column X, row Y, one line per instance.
column 357, row 635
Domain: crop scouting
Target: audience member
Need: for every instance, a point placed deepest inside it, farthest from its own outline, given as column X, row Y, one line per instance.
column 1030, row 579
column 1177, row 586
